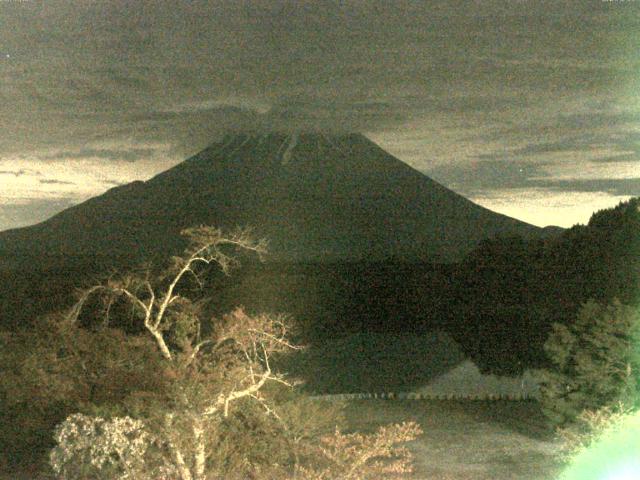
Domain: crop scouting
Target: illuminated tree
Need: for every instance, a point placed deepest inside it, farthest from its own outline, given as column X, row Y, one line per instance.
column 212, row 365
column 218, row 400
column 596, row 362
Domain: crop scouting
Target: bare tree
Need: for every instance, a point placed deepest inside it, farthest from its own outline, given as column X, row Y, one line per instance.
column 161, row 306
column 212, row 371
column 212, row 368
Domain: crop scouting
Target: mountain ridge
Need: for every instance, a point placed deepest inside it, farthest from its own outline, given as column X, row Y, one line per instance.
column 314, row 196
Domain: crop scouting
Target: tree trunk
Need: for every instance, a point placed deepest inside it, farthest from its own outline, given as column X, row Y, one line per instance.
column 183, row 470
column 200, row 451
column 166, row 353
column 180, row 464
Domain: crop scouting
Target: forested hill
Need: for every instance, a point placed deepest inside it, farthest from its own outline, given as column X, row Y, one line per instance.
column 509, row 290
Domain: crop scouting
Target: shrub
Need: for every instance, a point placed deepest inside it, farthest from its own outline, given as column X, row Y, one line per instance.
column 363, row 457
column 93, row 447
column 122, row 448
column 56, row 370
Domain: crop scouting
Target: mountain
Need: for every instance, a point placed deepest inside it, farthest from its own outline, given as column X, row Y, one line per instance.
column 314, row 196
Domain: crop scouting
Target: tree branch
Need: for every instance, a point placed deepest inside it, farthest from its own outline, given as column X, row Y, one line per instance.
column 195, row 351
column 224, row 401
column 74, row 311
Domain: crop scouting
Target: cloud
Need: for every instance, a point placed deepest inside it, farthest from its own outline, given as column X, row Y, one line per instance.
column 356, row 65
column 617, row 187
column 116, row 183
column 471, row 81
column 77, row 178
column 475, row 103
column 187, row 132
column 30, row 211
column 487, row 175
column 543, row 207
column 478, row 177
column 126, row 155
column 618, row 146
column 330, row 115
column 581, row 121
column 52, row 181
column 16, row 173
column 623, row 157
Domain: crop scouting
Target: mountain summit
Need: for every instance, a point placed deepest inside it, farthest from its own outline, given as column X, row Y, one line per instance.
column 314, row 196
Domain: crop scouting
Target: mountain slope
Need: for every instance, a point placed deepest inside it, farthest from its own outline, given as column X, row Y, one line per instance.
column 314, row 196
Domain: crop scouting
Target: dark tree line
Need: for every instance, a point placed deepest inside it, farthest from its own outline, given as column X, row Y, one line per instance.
column 499, row 303
column 509, row 291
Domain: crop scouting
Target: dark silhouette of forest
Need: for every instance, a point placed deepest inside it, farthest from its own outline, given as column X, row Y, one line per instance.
column 498, row 303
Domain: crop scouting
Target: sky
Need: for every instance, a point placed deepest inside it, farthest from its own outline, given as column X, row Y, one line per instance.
column 530, row 108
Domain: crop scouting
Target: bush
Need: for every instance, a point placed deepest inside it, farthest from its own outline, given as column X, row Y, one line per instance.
column 56, row 370
column 362, row 457
column 596, row 363
column 115, row 449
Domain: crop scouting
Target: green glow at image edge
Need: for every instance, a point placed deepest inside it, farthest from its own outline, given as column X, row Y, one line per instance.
column 615, row 456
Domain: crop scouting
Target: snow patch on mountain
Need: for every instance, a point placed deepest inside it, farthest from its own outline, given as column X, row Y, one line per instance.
column 293, row 141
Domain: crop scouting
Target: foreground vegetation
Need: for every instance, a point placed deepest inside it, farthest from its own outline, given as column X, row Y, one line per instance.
column 592, row 392
column 135, row 382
